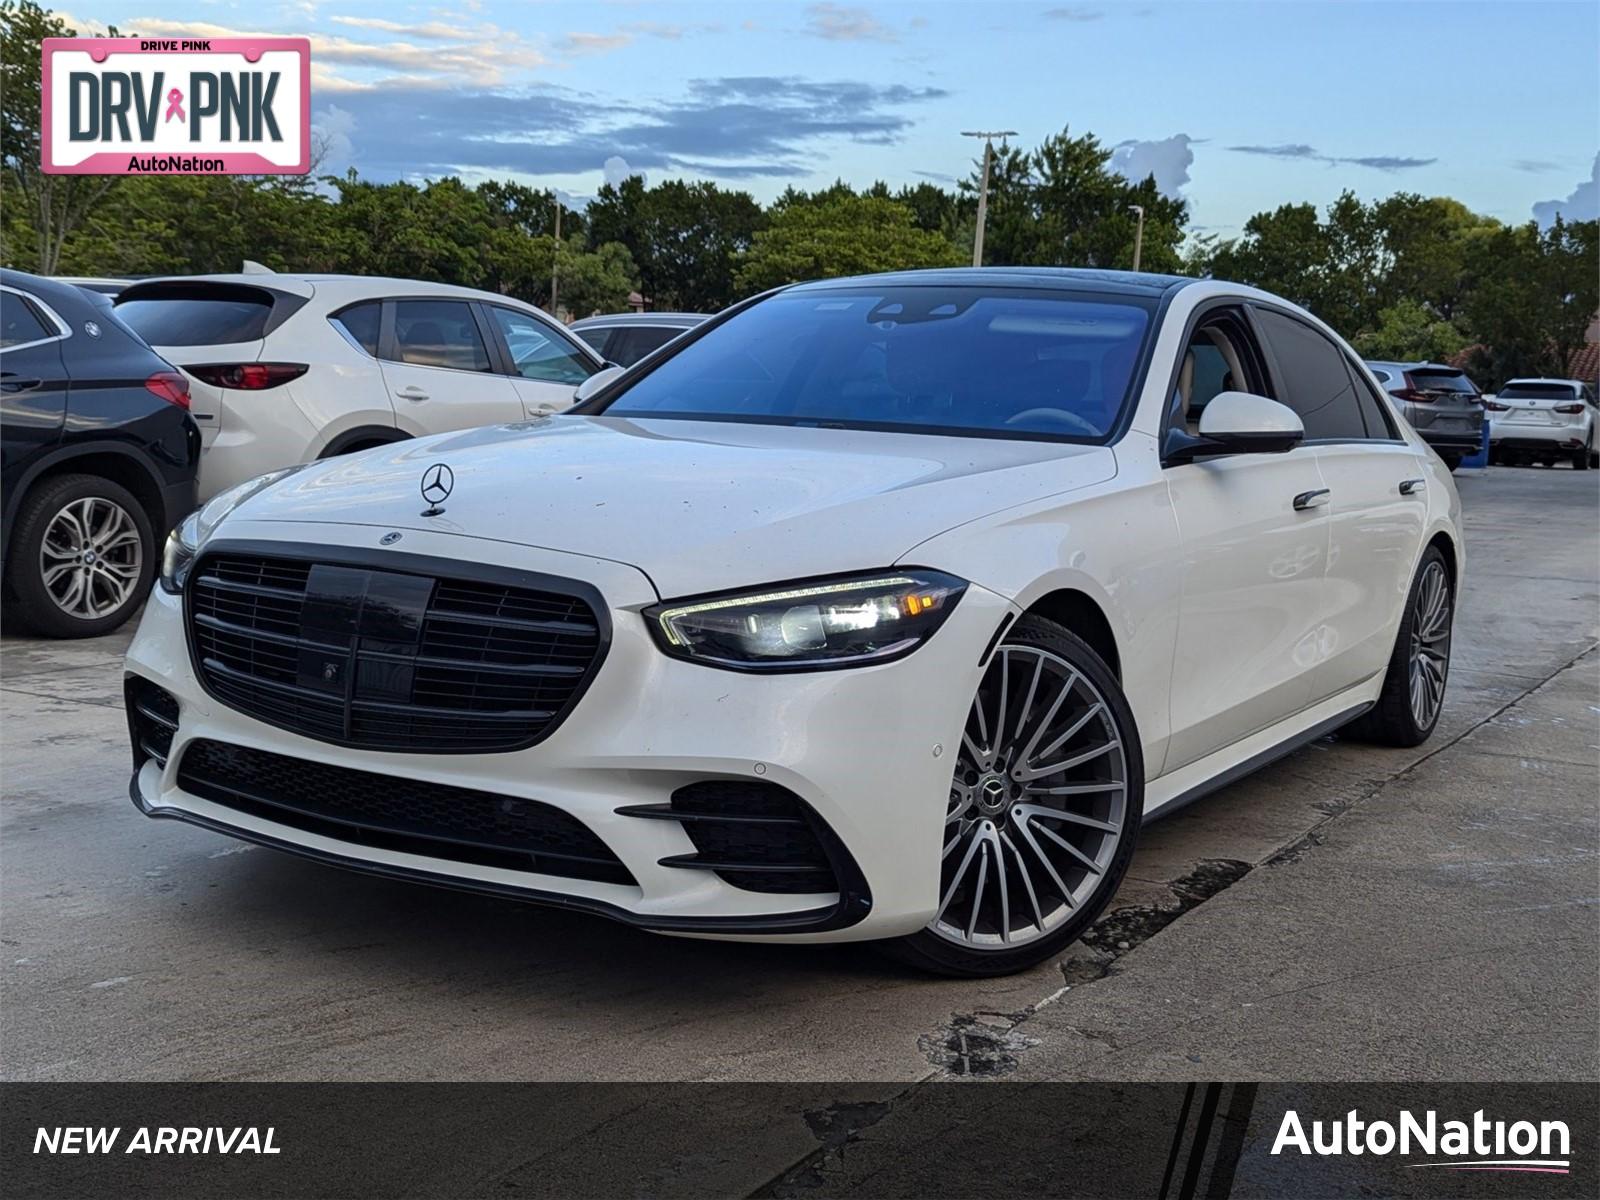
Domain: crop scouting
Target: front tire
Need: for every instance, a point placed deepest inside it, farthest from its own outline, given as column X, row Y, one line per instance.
column 1408, row 707
column 82, row 556
column 1045, row 804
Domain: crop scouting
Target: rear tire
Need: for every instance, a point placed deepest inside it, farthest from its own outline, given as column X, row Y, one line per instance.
column 1026, row 871
column 82, row 557
column 1408, row 707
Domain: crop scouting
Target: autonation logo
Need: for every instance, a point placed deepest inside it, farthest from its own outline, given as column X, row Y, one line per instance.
column 1476, row 1145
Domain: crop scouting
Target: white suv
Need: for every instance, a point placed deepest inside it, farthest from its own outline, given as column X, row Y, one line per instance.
column 1543, row 420
column 291, row 368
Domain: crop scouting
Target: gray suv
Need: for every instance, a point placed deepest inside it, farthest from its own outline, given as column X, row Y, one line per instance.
column 1440, row 402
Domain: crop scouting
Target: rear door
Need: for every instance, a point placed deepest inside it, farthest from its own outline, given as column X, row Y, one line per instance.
column 546, row 363
column 1375, row 504
column 211, row 322
column 33, row 379
column 438, row 367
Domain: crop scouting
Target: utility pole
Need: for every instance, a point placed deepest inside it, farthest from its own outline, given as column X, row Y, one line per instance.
column 1138, row 238
column 555, row 255
column 983, row 192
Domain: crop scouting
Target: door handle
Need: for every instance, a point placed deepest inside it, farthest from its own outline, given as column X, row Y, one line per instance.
column 12, row 383
column 1410, row 487
column 412, row 393
column 1312, row 499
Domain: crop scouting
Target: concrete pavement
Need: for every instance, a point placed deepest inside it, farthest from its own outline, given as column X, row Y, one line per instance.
column 1423, row 914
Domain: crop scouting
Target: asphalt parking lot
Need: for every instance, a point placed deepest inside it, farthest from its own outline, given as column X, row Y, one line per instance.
column 1346, row 913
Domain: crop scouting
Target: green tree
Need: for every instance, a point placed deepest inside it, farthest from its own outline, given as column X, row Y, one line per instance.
column 685, row 238
column 56, row 204
column 1410, row 331
column 844, row 235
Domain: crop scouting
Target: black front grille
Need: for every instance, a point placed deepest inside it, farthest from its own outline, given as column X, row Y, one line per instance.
column 434, row 819
column 391, row 659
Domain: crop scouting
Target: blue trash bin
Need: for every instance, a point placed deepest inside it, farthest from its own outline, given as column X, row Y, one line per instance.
column 1481, row 458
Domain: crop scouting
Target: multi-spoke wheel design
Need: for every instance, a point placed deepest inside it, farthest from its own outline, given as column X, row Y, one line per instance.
column 1430, row 643
column 91, row 558
column 1038, row 806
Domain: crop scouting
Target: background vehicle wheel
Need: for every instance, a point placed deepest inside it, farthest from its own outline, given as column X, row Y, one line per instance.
column 1413, row 688
column 1451, row 461
column 1045, row 805
column 1580, row 459
column 81, row 557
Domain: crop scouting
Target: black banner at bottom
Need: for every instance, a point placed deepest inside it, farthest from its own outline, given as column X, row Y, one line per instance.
column 959, row 1139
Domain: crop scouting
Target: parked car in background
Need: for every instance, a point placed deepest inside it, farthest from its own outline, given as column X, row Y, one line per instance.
column 1544, row 420
column 289, row 368
column 886, row 607
column 97, row 458
column 625, row 338
column 1440, row 402
column 103, row 284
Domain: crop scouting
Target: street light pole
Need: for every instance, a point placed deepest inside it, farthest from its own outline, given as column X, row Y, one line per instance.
column 1138, row 237
column 983, row 192
column 555, row 256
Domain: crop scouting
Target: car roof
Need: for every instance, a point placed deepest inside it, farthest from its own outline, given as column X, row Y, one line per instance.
column 1544, row 379
column 685, row 320
column 328, row 284
column 1062, row 279
column 53, row 292
column 1413, row 366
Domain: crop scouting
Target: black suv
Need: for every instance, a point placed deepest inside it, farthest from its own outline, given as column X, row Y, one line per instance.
column 97, row 459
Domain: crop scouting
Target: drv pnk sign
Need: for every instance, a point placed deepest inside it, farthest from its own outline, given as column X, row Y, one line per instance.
column 152, row 106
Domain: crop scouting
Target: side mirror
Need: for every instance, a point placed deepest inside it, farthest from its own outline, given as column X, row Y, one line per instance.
column 1238, row 423
column 595, row 383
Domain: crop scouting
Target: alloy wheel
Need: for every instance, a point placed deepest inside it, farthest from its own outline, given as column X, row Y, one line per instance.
column 1430, row 644
column 91, row 557
column 1038, row 804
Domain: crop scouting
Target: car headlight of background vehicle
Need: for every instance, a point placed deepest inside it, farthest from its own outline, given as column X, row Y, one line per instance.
column 184, row 542
column 812, row 626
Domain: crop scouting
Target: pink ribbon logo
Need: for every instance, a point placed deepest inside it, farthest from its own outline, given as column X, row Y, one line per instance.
column 175, row 105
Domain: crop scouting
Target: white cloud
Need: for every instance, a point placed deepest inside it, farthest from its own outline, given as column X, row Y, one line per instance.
column 1168, row 159
column 331, row 128
column 1582, row 205
column 837, row 23
column 616, row 170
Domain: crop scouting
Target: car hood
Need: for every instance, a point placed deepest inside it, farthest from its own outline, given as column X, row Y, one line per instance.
column 697, row 505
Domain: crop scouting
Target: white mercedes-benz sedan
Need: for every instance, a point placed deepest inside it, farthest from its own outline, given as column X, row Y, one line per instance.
column 877, row 608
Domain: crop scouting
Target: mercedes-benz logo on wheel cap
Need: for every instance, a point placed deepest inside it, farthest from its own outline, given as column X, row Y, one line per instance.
column 437, row 483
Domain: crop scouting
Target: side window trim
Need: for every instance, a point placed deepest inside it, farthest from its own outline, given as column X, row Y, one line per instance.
column 499, row 352
column 336, row 319
column 43, row 313
column 1380, row 400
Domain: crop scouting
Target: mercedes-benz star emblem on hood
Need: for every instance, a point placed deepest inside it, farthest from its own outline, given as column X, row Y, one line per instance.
column 437, row 483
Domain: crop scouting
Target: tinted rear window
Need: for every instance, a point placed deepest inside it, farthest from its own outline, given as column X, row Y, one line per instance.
column 1441, row 381
column 1539, row 391
column 196, row 314
column 932, row 359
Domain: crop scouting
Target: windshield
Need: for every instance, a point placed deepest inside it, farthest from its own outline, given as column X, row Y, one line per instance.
column 934, row 359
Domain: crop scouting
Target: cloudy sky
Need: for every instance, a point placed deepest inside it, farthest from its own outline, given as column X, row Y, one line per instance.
column 1238, row 106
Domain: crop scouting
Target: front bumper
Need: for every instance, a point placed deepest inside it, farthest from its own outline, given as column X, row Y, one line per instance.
column 858, row 746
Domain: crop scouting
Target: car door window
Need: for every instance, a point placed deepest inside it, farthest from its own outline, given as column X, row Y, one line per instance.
column 439, row 333
column 1220, row 357
column 1374, row 411
column 361, row 323
column 19, row 324
column 1315, row 382
column 539, row 352
column 633, row 344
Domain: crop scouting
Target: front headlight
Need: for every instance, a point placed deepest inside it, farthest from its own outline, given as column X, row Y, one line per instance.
column 184, row 542
column 810, row 626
